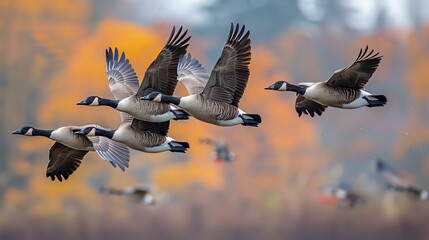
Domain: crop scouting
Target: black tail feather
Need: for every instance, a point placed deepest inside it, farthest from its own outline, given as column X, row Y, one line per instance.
column 381, row 100
column 252, row 120
column 176, row 146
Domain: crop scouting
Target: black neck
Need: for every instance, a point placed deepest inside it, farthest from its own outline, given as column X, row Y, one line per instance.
column 295, row 88
column 108, row 102
column 40, row 132
column 104, row 133
column 170, row 99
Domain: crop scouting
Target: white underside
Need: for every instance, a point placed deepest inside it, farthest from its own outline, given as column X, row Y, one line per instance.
column 232, row 122
column 358, row 102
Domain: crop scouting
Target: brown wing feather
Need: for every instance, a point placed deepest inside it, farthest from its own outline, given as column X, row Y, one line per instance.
column 161, row 76
column 358, row 74
column 231, row 71
column 306, row 106
column 63, row 161
column 156, row 127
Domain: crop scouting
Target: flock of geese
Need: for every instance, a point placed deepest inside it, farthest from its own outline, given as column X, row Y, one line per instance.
column 147, row 108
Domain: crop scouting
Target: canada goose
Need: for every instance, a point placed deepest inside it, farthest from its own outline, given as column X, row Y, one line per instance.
column 343, row 90
column 342, row 195
column 218, row 103
column 221, row 150
column 68, row 150
column 139, row 193
column 396, row 182
column 161, row 76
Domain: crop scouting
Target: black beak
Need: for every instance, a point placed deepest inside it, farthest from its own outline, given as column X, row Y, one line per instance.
column 83, row 102
column 145, row 98
column 270, row 87
column 16, row 132
column 80, row 133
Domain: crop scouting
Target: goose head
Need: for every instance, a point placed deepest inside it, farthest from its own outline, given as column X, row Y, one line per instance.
column 153, row 96
column 90, row 101
column 278, row 86
column 88, row 131
column 27, row 131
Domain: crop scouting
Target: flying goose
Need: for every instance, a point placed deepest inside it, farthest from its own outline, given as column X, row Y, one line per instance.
column 161, row 76
column 137, row 134
column 69, row 149
column 343, row 90
column 342, row 195
column 218, row 103
column 221, row 150
column 396, row 182
column 138, row 193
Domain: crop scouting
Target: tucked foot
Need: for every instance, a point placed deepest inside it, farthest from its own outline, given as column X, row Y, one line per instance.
column 178, row 146
column 252, row 120
column 180, row 114
column 375, row 101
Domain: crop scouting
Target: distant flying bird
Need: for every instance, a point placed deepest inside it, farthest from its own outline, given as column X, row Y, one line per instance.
column 341, row 195
column 221, row 150
column 138, row 193
column 343, row 90
column 396, row 182
column 68, row 150
column 137, row 134
column 161, row 76
column 218, row 103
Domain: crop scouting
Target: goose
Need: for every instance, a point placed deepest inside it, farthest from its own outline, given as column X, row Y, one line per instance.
column 396, row 182
column 66, row 154
column 138, row 193
column 221, row 150
column 161, row 76
column 218, row 102
column 345, row 89
column 137, row 134
column 342, row 195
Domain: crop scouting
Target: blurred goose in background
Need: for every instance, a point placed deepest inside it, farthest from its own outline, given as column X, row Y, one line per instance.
column 396, row 182
column 140, row 194
column 341, row 195
column 221, row 150
column 343, row 90
column 69, row 149
column 161, row 76
column 137, row 134
column 218, row 103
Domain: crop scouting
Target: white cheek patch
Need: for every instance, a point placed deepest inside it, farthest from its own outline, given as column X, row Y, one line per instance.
column 92, row 132
column 283, row 87
column 29, row 132
column 95, row 102
column 157, row 98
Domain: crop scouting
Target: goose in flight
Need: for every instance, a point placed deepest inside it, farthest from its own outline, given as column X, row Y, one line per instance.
column 137, row 134
column 396, row 182
column 221, row 150
column 66, row 155
column 138, row 193
column 161, row 76
column 218, row 102
column 345, row 89
column 341, row 195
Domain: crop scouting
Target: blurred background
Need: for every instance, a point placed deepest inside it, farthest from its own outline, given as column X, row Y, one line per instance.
column 53, row 56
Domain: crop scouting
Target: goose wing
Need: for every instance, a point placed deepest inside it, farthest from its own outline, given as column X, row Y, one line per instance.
column 156, row 127
column 358, row 74
column 118, row 154
column 229, row 77
column 306, row 106
column 123, row 80
column 161, row 76
column 63, row 161
column 192, row 74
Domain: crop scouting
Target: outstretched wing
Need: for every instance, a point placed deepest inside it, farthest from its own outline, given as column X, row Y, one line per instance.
column 118, row 154
column 229, row 77
column 63, row 161
column 161, row 76
column 123, row 80
column 358, row 74
column 306, row 106
column 192, row 74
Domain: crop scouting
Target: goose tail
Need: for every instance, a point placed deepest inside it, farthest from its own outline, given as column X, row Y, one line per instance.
column 179, row 114
column 252, row 120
